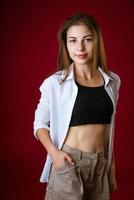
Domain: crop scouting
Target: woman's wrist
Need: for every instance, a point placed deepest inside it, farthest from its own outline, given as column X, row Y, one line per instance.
column 53, row 152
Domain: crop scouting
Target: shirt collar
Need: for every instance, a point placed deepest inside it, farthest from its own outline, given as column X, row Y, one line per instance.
column 106, row 77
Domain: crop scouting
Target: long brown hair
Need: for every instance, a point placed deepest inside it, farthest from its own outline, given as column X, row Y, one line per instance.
column 99, row 56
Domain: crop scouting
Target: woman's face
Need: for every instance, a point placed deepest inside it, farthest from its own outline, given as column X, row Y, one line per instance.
column 80, row 44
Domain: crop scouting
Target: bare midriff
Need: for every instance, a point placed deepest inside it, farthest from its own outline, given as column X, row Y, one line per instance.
column 88, row 138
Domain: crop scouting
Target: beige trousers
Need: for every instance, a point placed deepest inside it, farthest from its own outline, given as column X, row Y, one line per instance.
column 86, row 180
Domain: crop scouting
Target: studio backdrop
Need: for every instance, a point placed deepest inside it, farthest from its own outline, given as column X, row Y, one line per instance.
column 29, row 54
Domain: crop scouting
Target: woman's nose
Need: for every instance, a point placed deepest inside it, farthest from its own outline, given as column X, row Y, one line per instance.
column 80, row 46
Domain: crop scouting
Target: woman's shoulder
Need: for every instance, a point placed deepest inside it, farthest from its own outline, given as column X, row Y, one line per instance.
column 114, row 75
column 56, row 76
column 52, row 79
column 116, row 78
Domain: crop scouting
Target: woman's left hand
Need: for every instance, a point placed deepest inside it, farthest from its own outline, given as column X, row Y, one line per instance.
column 112, row 183
column 112, row 177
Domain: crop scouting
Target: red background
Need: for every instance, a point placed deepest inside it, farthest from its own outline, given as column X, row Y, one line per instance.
column 29, row 53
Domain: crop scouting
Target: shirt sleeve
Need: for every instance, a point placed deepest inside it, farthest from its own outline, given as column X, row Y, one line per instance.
column 118, row 86
column 42, row 112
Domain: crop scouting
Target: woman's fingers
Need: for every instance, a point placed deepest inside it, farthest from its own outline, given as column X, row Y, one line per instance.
column 60, row 159
column 69, row 158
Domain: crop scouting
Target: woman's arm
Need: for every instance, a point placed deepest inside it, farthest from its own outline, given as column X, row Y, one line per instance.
column 42, row 127
column 112, row 176
column 59, row 157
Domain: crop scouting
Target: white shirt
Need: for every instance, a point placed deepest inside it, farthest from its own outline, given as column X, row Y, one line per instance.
column 55, row 108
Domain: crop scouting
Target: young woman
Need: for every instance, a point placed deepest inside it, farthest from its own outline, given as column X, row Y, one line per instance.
column 75, row 117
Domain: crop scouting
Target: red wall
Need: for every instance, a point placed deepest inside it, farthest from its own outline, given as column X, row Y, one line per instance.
column 29, row 52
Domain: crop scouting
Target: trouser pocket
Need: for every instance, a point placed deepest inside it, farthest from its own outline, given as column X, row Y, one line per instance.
column 67, row 183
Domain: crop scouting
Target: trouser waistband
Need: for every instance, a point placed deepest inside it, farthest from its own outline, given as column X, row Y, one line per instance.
column 81, row 154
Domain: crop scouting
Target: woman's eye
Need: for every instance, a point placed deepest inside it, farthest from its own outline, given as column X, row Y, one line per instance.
column 72, row 41
column 88, row 39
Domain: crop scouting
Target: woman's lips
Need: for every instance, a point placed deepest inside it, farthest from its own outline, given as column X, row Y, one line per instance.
column 82, row 56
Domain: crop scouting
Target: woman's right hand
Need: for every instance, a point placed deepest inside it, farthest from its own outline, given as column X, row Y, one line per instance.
column 60, row 158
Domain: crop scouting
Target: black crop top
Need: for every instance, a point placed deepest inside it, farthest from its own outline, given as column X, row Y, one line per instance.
column 92, row 106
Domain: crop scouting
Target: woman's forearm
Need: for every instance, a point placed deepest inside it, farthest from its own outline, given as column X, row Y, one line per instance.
column 112, row 176
column 57, row 155
column 44, row 137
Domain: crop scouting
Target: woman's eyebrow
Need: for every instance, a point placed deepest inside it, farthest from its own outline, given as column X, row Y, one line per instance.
column 91, row 35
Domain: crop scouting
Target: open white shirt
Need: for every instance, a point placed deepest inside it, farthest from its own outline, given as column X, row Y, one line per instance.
column 55, row 108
